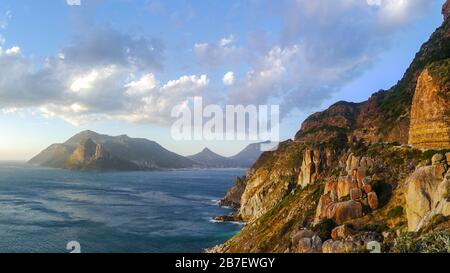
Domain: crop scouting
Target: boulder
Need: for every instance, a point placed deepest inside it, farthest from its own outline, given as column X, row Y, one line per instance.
column 355, row 194
column 427, row 194
column 372, row 200
column 331, row 187
column 438, row 159
column 338, row 246
column 356, row 163
column 324, row 202
column 343, row 186
column 310, row 245
column 367, row 188
column 301, row 234
column 306, row 241
column 341, row 232
column 344, row 211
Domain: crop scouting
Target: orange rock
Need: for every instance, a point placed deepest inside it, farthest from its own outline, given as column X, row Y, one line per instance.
column 340, row 232
column 331, row 186
column 344, row 211
column 355, row 174
column 367, row 188
column 343, row 187
column 372, row 199
column 354, row 184
column 360, row 176
column 355, row 194
column 324, row 202
column 430, row 123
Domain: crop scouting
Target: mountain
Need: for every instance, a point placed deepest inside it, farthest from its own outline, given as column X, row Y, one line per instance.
column 210, row 159
column 355, row 173
column 248, row 155
column 243, row 159
column 89, row 150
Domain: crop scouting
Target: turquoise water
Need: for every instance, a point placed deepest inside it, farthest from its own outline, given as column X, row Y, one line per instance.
column 42, row 209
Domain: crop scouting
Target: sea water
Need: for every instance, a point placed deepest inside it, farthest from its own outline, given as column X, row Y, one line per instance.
column 43, row 209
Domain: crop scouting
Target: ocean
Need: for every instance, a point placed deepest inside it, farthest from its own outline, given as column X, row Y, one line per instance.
column 43, row 209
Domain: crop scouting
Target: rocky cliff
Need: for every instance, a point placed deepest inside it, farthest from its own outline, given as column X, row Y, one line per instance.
column 359, row 172
column 430, row 114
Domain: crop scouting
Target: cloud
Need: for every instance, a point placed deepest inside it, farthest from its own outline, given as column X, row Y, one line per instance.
column 311, row 60
column 213, row 55
column 104, row 74
column 143, row 100
column 266, row 78
column 4, row 19
column 228, row 78
column 73, row 2
column 104, row 45
column 396, row 13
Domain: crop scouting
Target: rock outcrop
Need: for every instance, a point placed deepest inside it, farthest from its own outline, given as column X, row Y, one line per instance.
column 446, row 10
column 266, row 187
column 428, row 193
column 333, row 204
column 349, row 243
column 306, row 241
column 314, row 161
column 233, row 197
column 430, row 112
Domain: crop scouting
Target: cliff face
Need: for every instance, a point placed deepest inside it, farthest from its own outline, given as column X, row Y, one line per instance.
column 430, row 113
column 348, row 178
column 446, row 10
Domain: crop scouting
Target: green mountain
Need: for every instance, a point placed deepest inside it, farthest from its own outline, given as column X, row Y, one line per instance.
column 92, row 151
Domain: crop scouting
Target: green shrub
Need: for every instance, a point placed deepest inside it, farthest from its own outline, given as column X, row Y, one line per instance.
column 395, row 212
column 434, row 242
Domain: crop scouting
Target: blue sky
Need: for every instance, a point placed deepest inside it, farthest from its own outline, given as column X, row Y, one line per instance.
column 119, row 66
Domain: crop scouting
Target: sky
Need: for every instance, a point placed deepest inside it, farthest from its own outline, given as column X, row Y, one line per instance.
column 120, row 66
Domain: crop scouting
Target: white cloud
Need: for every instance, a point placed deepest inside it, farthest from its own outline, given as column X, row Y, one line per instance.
column 4, row 19
column 215, row 54
column 374, row 2
column 13, row 51
column 102, row 75
column 312, row 60
column 266, row 78
column 143, row 85
column 73, row 2
column 228, row 78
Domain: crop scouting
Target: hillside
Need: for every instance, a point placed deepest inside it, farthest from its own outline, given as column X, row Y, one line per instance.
column 92, row 151
column 358, row 172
